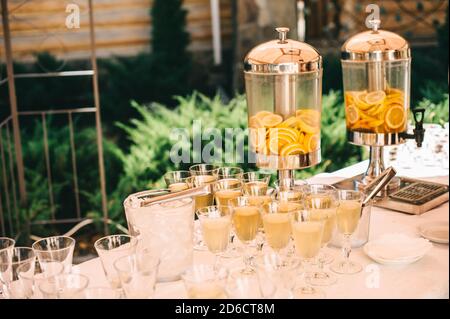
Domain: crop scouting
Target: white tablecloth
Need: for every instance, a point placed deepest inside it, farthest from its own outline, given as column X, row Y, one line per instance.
column 427, row 278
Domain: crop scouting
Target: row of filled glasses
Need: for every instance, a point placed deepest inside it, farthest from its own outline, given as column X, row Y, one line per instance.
column 45, row 269
column 296, row 222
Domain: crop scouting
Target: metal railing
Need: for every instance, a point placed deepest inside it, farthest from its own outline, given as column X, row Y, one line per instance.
column 13, row 192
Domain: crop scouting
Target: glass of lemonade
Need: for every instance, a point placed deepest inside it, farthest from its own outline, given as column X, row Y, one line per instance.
column 322, row 201
column 347, row 216
column 227, row 189
column 246, row 217
column 216, row 227
column 230, row 172
column 256, row 183
column 203, row 174
column 277, row 227
column 307, row 234
column 203, row 281
column 177, row 180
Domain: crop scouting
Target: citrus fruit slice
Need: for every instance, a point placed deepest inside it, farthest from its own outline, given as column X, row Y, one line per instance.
column 255, row 122
column 271, row 120
column 395, row 117
column 360, row 100
column 262, row 114
column 311, row 142
column 292, row 149
column 308, row 122
column 290, row 122
column 279, row 137
column 352, row 114
column 375, row 97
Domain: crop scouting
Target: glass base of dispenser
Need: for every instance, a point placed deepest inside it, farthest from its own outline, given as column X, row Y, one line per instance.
column 290, row 162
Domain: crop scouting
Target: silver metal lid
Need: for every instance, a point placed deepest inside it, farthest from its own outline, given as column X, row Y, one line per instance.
column 283, row 56
column 375, row 45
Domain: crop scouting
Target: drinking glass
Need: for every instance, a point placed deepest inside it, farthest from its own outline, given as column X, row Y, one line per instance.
column 205, row 282
column 203, row 174
column 246, row 217
column 64, row 286
column 347, row 216
column 111, row 248
column 11, row 283
column 277, row 227
column 322, row 202
column 307, row 235
column 289, row 184
column 55, row 249
column 256, row 183
column 248, row 286
column 280, row 272
column 6, row 252
column 137, row 274
column 215, row 222
column 177, row 180
column 101, row 293
column 226, row 190
column 31, row 275
column 230, row 172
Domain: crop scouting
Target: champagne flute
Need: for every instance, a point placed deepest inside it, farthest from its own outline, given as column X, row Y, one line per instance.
column 347, row 217
column 203, row 174
column 322, row 201
column 177, row 180
column 215, row 223
column 245, row 217
column 307, row 235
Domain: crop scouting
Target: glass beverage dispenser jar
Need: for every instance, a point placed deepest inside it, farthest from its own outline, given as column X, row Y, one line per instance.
column 376, row 67
column 283, row 81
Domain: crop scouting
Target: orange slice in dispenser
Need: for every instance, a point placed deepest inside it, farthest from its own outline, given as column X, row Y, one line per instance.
column 360, row 100
column 271, row 120
column 290, row 122
column 311, row 142
column 308, row 121
column 262, row 114
column 352, row 114
column 279, row 137
column 375, row 97
column 255, row 122
column 395, row 117
column 292, row 149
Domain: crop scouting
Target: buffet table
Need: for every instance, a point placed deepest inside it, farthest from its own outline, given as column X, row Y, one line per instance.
column 427, row 278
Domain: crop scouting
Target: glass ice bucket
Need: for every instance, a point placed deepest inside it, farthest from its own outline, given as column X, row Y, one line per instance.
column 164, row 228
column 362, row 233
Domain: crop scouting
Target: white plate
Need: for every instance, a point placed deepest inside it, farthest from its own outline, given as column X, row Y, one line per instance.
column 435, row 231
column 393, row 262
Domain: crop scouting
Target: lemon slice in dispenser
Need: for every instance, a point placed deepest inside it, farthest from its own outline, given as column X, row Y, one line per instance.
column 292, row 149
column 375, row 97
column 272, row 120
column 308, row 122
column 311, row 142
column 255, row 122
column 352, row 114
column 395, row 117
column 290, row 122
column 262, row 114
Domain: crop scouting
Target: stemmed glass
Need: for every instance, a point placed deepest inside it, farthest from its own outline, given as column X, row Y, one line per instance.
column 55, row 249
column 230, row 172
column 10, row 278
column 31, row 275
column 177, row 180
column 307, row 235
column 111, row 248
column 246, row 217
column 6, row 252
column 347, row 217
column 64, row 286
column 322, row 201
column 205, row 282
column 277, row 228
column 137, row 274
column 280, row 272
column 215, row 223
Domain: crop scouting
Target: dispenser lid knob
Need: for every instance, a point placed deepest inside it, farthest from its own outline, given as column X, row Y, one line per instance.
column 282, row 34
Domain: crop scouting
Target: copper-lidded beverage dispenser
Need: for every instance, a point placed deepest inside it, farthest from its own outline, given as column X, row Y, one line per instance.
column 283, row 82
column 376, row 68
